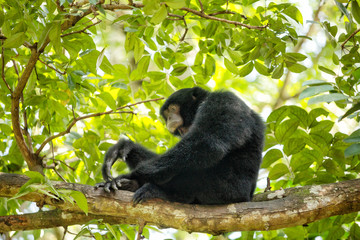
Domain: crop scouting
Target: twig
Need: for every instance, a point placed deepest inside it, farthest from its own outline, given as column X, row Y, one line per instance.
column 26, row 128
column 201, row 6
column 203, row 15
column 3, row 69
column 182, row 18
column 16, row 68
column 75, row 120
column 58, row 71
column 351, row 36
column 142, row 224
column 223, row 12
column 53, row 157
column 268, row 187
column 83, row 30
column 226, row 12
column 198, row 13
column 62, row 162
column 65, row 231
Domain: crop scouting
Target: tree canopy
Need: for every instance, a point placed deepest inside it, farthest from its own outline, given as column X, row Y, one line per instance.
column 77, row 75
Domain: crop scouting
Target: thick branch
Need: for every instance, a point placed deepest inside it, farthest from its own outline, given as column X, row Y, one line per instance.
column 272, row 210
column 34, row 163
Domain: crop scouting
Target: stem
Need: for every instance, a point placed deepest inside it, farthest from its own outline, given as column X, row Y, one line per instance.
column 3, row 69
column 76, row 119
column 351, row 36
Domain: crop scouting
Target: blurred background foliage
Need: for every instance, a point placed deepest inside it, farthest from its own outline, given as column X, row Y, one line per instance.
column 295, row 62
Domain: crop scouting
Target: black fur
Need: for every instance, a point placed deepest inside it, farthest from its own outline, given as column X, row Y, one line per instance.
column 216, row 162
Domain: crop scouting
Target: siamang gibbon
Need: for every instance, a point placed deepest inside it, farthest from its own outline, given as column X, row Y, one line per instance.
column 216, row 161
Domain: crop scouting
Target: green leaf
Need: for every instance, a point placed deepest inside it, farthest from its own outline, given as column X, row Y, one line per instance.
column 81, row 201
column 150, row 6
column 314, row 82
column 297, row 232
column 295, row 67
column 293, row 146
column 44, row 35
column 352, row 150
column 335, row 59
column 35, row 176
column 179, row 69
column 143, row 65
column 353, row 109
column 325, row 125
column 2, row 16
column 138, row 49
column 235, row 55
column 199, row 58
column 332, row 97
column 314, row 90
column 270, row 157
column 260, row 68
column 231, row 66
column 159, row 16
column 159, row 60
column 344, row 10
column 210, row 65
column 100, row 58
column 246, row 70
column 278, row 171
column 355, row 228
column 5, row 129
column 286, row 129
column 108, row 99
column 314, row 114
column 294, row 13
column 354, row 137
column 296, row 57
column 176, row 4
column 54, row 36
column 278, row 72
column 333, row 167
column 278, row 115
column 299, row 114
column 130, row 41
column 15, row 40
column 326, row 70
column 303, row 160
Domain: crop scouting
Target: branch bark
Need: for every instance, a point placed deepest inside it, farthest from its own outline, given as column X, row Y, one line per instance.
column 268, row 211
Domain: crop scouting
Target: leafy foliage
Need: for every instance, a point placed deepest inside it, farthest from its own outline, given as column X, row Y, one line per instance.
column 78, row 74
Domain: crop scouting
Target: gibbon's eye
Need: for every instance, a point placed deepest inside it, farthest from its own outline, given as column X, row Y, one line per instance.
column 172, row 108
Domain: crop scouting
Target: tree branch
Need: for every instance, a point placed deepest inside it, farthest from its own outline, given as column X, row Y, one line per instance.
column 351, row 36
column 198, row 13
column 268, row 211
column 76, row 119
column 3, row 69
column 203, row 15
column 83, row 30
column 58, row 71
